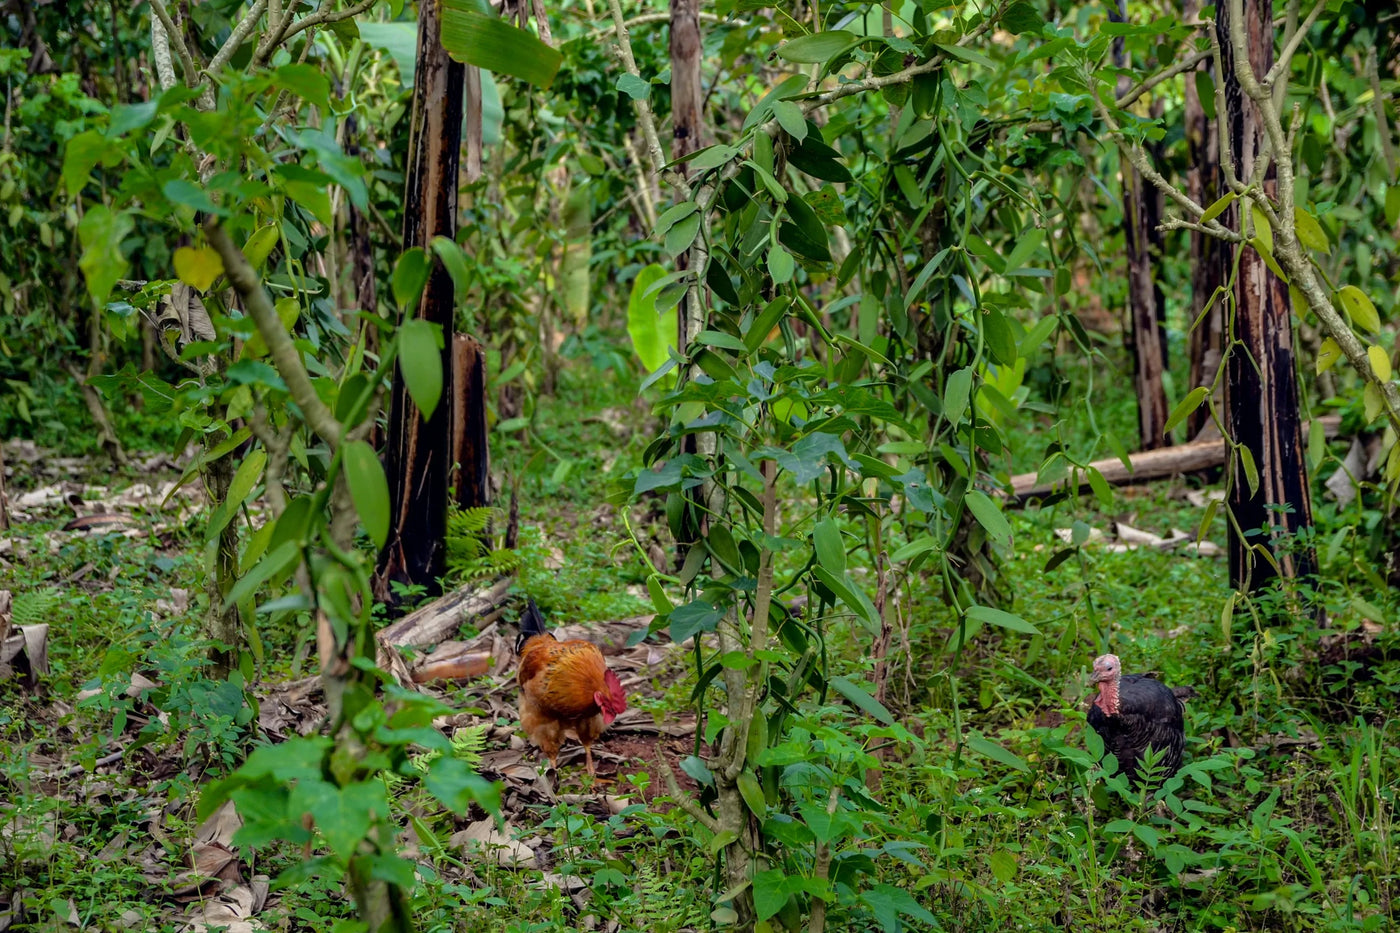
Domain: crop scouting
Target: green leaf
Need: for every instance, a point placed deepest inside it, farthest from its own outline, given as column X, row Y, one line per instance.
column 1359, row 308
column 305, row 81
column 791, row 119
column 1327, row 355
column 455, row 262
column 633, row 86
column 860, row 697
column 420, row 361
column 1186, row 406
column 813, row 242
column 127, row 117
column 752, row 793
column 988, row 516
column 956, row 393
column 993, row 750
column 767, row 319
column 189, row 194
column 652, row 334
column 410, row 275
column 478, row 38
column 1001, row 619
column 277, row 561
column 780, row 265
column 1021, row 17
column 831, row 552
column 1001, row 340
column 1219, row 207
column 967, row 55
column 1251, row 472
column 80, row 157
column 850, row 594
column 1309, row 231
column 1262, row 231
column 770, row 893
column 818, row 48
column 457, row 786
column 101, row 233
column 241, row 487
column 1205, row 93
column 369, row 490
column 260, row 244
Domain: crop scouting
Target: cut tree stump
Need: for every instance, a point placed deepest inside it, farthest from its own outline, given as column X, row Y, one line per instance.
column 1146, row 464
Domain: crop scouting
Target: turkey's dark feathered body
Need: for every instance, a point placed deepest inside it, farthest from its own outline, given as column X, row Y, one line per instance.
column 1149, row 715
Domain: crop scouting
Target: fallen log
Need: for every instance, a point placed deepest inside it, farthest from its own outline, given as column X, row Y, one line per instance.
column 440, row 619
column 1145, row 465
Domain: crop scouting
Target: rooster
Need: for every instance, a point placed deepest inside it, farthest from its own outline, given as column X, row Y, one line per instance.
column 1134, row 712
column 565, row 687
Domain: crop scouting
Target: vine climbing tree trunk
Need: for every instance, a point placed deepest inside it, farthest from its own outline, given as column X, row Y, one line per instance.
column 419, row 457
column 1269, row 496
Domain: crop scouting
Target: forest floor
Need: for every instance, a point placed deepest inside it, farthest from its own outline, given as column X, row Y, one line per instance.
column 1293, row 765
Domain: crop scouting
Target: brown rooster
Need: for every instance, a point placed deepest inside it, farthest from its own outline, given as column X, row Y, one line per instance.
column 565, row 687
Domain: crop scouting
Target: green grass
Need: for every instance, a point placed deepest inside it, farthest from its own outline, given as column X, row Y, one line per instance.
column 1284, row 820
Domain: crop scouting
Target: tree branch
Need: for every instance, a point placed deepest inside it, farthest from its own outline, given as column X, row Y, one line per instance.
column 279, row 343
column 622, row 46
column 235, row 39
column 172, row 36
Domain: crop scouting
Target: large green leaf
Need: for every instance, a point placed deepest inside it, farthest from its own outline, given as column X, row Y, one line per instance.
column 420, row 359
column 476, row 37
column 819, row 48
column 988, row 516
column 651, row 333
column 101, row 233
column 369, row 490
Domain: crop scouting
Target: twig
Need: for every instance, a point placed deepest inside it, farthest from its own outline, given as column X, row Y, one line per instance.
column 160, row 53
column 821, row 871
column 172, row 35
column 758, row 631
column 682, row 799
column 646, row 18
column 279, row 343
column 235, row 39
column 645, row 116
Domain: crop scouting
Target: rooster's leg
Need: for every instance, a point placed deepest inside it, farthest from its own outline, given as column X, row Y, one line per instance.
column 588, row 759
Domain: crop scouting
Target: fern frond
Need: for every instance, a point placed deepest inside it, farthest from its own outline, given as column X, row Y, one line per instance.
column 34, row 606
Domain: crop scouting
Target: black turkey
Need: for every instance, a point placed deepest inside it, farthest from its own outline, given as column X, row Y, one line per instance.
column 1135, row 712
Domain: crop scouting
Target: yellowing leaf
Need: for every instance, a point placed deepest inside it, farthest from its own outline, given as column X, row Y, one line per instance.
column 198, row 266
column 1327, row 355
column 1359, row 308
column 1380, row 362
column 1309, row 230
column 1371, row 396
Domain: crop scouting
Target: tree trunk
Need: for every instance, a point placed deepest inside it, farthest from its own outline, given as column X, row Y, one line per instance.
column 1261, row 391
column 419, row 456
column 687, row 100
column 1142, row 212
column 471, row 456
column 1208, row 254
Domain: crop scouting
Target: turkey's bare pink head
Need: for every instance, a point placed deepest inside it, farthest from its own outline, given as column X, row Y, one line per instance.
column 1107, row 670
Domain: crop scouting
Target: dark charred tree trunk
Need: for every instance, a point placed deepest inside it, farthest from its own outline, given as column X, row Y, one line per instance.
column 1142, row 212
column 419, row 457
column 1208, row 254
column 471, row 457
column 1261, row 390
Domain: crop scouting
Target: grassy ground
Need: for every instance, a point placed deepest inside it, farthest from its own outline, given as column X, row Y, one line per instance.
column 1283, row 819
